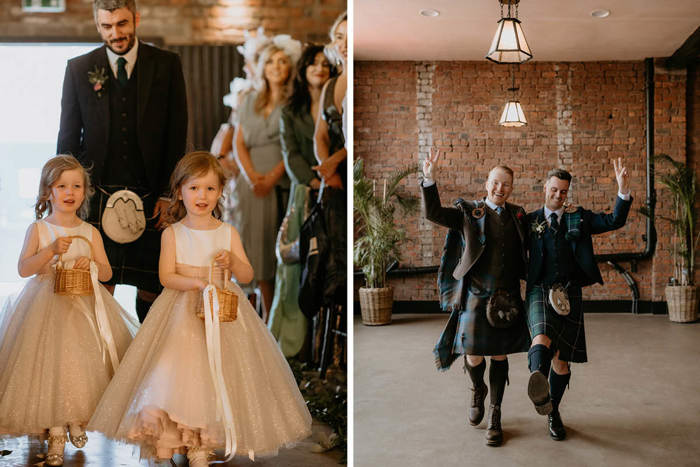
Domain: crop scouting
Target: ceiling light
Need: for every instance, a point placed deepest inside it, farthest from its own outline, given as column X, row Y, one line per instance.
column 429, row 13
column 513, row 115
column 509, row 44
column 600, row 13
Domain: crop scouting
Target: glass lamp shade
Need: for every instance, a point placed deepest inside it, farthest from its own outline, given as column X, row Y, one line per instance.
column 509, row 44
column 512, row 115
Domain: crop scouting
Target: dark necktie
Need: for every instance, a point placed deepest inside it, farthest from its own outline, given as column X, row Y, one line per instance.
column 555, row 223
column 121, row 71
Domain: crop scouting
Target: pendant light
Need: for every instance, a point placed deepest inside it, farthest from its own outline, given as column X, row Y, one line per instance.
column 513, row 115
column 509, row 44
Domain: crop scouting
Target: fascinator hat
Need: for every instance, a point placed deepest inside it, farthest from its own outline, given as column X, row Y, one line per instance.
column 253, row 45
column 291, row 47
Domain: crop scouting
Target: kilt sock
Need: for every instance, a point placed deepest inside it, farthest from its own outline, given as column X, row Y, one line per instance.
column 498, row 377
column 539, row 357
column 557, row 386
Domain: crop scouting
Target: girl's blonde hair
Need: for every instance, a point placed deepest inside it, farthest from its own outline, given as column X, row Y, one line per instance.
column 194, row 164
column 261, row 84
column 50, row 174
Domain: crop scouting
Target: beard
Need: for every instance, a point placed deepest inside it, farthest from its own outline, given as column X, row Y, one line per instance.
column 130, row 39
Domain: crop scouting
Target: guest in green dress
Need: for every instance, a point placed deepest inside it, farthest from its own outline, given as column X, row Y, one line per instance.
column 287, row 323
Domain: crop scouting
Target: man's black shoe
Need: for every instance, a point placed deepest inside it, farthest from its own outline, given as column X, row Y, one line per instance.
column 494, row 433
column 556, row 426
column 538, row 391
column 476, row 411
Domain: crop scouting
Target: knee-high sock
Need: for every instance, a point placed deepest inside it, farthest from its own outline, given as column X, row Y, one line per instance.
column 539, row 357
column 142, row 307
column 557, row 386
column 498, row 376
column 476, row 373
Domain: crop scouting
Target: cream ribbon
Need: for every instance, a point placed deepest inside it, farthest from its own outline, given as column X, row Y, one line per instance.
column 103, row 333
column 213, row 335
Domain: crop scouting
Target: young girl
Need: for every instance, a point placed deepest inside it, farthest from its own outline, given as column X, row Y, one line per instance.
column 186, row 386
column 58, row 352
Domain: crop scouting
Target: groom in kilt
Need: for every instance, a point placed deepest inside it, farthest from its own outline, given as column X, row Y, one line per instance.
column 479, row 279
column 561, row 263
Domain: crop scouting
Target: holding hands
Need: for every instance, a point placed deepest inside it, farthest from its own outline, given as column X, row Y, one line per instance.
column 430, row 164
column 622, row 176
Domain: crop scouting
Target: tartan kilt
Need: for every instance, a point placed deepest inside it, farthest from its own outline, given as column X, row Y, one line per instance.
column 566, row 332
column 134, row 263
column 469, row 332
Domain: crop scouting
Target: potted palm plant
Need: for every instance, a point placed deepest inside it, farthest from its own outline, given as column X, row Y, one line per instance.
column 681, row 293
column 377, row 238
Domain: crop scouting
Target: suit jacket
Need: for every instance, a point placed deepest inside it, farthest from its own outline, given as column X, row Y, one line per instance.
column 297, row 138
column 590, row 223
column 473, row 241
column 161, row 113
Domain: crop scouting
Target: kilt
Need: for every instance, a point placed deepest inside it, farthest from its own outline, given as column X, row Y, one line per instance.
column 134, row 263
column 566, row 332
column 469, row 332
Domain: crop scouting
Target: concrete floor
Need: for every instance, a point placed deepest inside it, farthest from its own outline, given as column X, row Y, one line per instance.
column 635, row 403
column 102, row 452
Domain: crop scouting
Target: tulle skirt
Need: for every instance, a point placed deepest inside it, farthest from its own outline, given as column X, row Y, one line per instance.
column 53, row 365
column 163, row 397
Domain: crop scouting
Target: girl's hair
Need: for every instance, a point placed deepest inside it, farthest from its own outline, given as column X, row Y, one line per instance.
column 261, row 83
column 50, row 174
column 194, row 164
column 300, row 100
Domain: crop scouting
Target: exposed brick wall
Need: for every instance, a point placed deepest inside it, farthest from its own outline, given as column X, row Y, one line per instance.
column 180, row 22
column 580, row 116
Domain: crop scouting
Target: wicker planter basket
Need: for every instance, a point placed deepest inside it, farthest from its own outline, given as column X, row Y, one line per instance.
column 375, row 305
column 682, row 303
column 72, row 281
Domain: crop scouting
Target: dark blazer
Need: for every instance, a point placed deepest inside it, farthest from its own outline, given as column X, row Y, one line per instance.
column 590, row 223
column 470, row 228
column 161, row 113
column 297, row 138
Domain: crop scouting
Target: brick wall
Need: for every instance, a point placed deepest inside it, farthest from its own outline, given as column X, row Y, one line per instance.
column 180, row 22
column 580, row 116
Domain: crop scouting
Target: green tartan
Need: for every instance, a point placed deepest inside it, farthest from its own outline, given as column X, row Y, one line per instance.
column 566, row 332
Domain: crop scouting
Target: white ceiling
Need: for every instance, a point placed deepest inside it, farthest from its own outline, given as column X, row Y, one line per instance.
column 557, row 30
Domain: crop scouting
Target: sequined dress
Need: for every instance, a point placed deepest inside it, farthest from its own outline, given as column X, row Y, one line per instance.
column 54, row 366
column 164, row 395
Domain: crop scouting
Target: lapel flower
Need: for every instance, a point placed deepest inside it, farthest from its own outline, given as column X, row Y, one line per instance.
column 520, row 215
column 538, row 227
column 98, row 77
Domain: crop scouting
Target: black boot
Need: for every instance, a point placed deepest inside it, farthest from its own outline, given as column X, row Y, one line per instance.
column 557, row 385
column 142, row 307
column 498, row 377
column 479, row 391
column 539, row 359
column 494, row 433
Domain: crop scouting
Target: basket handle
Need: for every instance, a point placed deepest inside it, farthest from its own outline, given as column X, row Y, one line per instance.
column 227, row 273
column 60, row 257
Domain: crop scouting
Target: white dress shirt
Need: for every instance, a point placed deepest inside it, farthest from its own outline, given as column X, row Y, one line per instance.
column 130, row 58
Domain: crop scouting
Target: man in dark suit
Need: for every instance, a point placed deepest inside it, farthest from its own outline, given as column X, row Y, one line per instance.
column 124, row 116
column 479, row 278
column 561, row 263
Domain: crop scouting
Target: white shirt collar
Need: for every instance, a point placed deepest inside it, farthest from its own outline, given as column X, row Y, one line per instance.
column 548, row 212
column 130, row 58
column 492, row 205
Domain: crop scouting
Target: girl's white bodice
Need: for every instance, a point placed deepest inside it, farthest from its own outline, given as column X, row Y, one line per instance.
column 48, row 233
column 199, row 247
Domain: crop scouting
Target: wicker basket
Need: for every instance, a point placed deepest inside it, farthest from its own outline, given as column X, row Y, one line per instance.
column 682, row 303
column 228, row 301
column 72, row 281
column 375, row 305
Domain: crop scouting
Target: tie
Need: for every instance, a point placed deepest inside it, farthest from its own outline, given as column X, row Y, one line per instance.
column 499, row 210
column 121, row 71
column 555, row 222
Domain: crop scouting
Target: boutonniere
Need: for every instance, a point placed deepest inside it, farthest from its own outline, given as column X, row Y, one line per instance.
column 98, row 77
column 538, row 227
column 520, row 215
